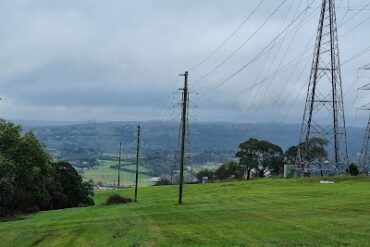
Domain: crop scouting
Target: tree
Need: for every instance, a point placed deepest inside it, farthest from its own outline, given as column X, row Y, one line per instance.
column 291, row 154
column 76, row 192
column 316, row 149
column 29, row 181
column 230, row 169
column 205, row 173
column 6, row 186
column 277, row 165
column 258, row 155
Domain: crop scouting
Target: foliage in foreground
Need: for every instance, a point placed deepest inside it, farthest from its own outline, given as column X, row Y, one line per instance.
column 30, row 181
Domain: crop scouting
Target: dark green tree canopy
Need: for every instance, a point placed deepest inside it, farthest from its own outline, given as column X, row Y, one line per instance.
column 30, row 181
column 291, row 153
column 260, row 155
column 314, row 150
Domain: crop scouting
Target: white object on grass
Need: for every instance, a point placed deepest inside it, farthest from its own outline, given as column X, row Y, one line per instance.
column 327, row 182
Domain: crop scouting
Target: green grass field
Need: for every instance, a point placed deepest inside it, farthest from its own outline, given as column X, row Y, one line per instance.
column 268, row 212
column 108, row 175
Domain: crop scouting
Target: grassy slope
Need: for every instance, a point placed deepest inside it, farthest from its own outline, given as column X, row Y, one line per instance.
column 258, row 213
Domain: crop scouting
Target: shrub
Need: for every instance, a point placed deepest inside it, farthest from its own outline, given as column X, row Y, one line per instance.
column 230, row 169
column 117, row 199
column 205, row 173
column 163, row 181
column 353, row 170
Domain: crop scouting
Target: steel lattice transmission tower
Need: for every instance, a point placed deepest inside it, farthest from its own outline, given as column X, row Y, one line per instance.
column 324, row 112
column 364, row 158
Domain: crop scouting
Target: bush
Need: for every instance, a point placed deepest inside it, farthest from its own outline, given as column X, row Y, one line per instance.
column 163, row 181
column 205, row 173
column 230, row 169
column 117, row 199
column 353, row 170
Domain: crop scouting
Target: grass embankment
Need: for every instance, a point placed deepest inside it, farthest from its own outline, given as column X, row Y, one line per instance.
column 269, row 212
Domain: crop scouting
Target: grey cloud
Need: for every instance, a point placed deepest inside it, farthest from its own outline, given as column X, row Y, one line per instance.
column 91, row 59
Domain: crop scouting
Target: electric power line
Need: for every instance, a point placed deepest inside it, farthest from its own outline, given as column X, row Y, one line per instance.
column 228, row 38
column 242, row 45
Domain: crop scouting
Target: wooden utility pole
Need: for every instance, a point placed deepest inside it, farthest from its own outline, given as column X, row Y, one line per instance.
column 137, row 161
column 183, row 133
column 119, row 166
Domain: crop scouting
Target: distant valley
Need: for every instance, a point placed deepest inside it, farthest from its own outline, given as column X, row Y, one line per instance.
column 213, row 142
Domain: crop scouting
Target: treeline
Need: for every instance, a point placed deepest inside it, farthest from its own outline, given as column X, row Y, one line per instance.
column 122, row 168
column 259, row 158
column 30, row 181
column 158, row 161
column 82, row 157
column 255, row 158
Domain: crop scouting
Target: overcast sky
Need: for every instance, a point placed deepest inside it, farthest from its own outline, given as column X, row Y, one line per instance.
column 119, row 60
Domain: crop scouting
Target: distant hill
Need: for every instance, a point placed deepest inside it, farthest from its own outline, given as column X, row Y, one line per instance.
column 163, row 135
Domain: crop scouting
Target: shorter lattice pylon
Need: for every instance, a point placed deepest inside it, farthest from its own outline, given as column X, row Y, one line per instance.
column 364, row 158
